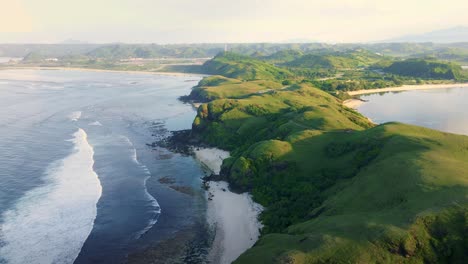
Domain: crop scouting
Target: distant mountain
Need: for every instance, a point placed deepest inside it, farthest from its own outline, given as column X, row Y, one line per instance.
column 455, row 34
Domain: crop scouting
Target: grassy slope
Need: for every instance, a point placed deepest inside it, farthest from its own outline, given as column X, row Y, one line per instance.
column 408, row 205
column 336, row 61
column 243, row 67
column 217, row 87
column 283, row 56
column 275, row 114
column 336, row 188
column 236, row 76
column 426, row 68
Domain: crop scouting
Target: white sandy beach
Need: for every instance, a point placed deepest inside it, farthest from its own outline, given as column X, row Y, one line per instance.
column 410, row 88
column 353, row 103
column 233, row 217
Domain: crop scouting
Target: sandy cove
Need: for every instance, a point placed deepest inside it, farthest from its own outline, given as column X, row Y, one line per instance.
column 233, row 217
column 353, row 103
column 410, row 88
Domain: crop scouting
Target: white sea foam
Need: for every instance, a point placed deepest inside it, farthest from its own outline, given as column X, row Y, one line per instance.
column 96, row 123
column 153, row 201
column 75, row 116
column 50, row 224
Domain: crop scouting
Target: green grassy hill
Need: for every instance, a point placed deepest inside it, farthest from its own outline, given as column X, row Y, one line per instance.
column 243, row 67
column 283, row 56
column 126, row 51
column 391, row 194
column 336, row 188
column 272, row 115
column 218, row 87
column 426, row 68
column 454, row 54
column 336, row 60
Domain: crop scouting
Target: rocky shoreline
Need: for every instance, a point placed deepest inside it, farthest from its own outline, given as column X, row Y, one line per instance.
column 230, row 226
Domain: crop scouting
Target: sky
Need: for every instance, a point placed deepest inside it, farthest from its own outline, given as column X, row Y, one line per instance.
column 201, row 21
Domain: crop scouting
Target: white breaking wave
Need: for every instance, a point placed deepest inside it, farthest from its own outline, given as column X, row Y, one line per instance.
column 50, row 224
column 75, row 116
column 96, row 123
column 153, row 201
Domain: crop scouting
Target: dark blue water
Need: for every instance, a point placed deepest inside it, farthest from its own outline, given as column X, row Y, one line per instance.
column 441, row 109
column 77, row 179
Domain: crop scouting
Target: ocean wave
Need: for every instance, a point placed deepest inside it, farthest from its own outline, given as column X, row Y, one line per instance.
column 75, row 116
column 96, row 123
column 154, row 203
column 50, row 223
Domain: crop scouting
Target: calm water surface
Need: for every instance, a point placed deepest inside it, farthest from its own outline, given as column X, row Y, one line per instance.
column 441, row 109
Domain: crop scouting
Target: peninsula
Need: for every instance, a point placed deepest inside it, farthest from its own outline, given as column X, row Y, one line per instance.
column 335, row 187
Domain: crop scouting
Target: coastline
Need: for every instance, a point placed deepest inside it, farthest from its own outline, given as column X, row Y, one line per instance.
column 101, row 70
column 409, row 88
column 353, row 103
column 233, row 217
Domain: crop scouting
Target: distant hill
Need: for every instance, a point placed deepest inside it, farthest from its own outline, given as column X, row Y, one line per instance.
column 284, row 56
column 336, row 60
column 242, row 67
column 46, row 50
column 426, row 68
column 455, row 34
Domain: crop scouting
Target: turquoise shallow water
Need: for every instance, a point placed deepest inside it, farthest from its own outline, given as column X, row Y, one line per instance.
column 77, row 178
column 441, row 109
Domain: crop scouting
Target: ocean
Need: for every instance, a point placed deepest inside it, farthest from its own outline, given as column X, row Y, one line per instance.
column 78, row 177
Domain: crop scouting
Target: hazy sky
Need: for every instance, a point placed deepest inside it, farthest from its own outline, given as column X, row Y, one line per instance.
column 175, row 21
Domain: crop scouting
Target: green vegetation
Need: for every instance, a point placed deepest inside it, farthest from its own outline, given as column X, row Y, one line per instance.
column 452, row 51
column 458, row 54
column 425, row 68
column 233, row 65
column 336, row 61
column 336, row 188
column 125, row 51
column 283, row 56
column 394, row 193
column 217, row 87
column 277, row 113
